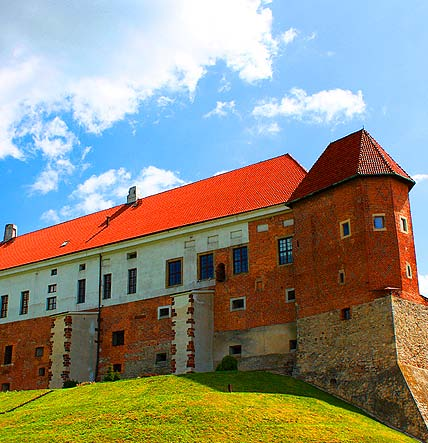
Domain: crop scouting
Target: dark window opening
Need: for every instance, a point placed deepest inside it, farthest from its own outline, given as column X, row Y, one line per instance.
column 5, row 387
column 117, row 367
column 81, row 291
column 82, row 266
column 52, row 288
column 237, row 304
column 292, row 345
column 42, row 372
column 346, row 229
column 220, row 272
column 346, row 314
column 54, row 271
column 342, row 277
column 240, row 260
column 118, row 338
column 206, row 266
column 291, row 294
column 39, row 351
column 8, row 350
column 50, row 303
column 4, row 304
column 285, row 249
column 161, row 357
column 235, row 350
column 131, row 255
column 106, row 286
column 174, row 272
column 164, row 312
column 25, row 297
column 132, row 281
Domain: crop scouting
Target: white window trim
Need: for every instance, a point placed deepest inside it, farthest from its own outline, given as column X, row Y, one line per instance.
column 403, row 218
column 409, row 273
column 287, row 291
column 164, row 316
column 238, row 309
column 373, row 224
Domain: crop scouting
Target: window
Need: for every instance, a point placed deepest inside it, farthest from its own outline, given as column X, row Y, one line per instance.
column 4, row 303
column 161, row 357
column 131, row 255
column 117, row 367
column 408, row 270
column 174, row 272
column 82, row 266
column 81, row 290
column 341, row 277
column 379, row 222
column 25, row 297
column 5, row 387
column 50, row 303
column 118, row 338
column 346, row 314
column 237, row 304
column 54, row 271
column 206, row 266
column 345, row 229
column 240, row 260
column 164, row 312
column 52, row 288
column 290, row 295
column 39, row 351
column 42, row 372
column 235, row 350
column 285, row 250
column 404, row 227
column 292, row 345
column 132, row 281
column 8, row 350
column 106, row 286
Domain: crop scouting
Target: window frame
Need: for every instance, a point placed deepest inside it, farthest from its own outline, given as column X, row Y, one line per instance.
column 285, row 250
column 160, row 359
column 8, row 355
column 4, row 302
column 236, row 299
column 25, row 300
column 52, row 288
column 170, row 281
column 39, row 351
column 404, row 224
column 54, row 271
column 240, row 260
column 409, row 271
column 132, row 280
column 118, row 338
column 235, row 350
column 107, row 280
column 287, row 298
column 81, row 291
column 206, row 270
column 51, row 303
column 342, row 225
column 160, row 308
column 374, row 218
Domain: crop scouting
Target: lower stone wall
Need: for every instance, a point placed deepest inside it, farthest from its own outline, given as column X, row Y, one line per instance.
column 356, row 359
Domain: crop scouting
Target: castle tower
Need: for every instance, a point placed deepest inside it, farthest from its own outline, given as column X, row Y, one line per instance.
column 359, row 311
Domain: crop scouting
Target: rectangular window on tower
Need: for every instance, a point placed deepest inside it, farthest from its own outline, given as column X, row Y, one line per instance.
column 240, row 260
column 285, row 250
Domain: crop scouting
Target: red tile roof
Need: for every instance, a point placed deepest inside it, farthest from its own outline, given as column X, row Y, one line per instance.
column 357, row 154
column 263, row 184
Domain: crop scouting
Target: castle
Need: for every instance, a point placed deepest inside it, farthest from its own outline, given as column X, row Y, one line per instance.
column 309, row 273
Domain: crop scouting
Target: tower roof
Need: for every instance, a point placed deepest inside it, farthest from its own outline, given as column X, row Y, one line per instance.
column 357, row 154
column 257, row 186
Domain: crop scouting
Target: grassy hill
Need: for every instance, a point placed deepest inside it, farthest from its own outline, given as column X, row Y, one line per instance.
column 263, row 407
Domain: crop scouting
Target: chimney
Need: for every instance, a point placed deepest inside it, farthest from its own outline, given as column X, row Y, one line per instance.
column 132, row 195
column 10, row 231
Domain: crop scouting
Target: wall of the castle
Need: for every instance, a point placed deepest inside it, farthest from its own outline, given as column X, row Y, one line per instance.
column 356, row 359
column 368, row 259
column 25, row 337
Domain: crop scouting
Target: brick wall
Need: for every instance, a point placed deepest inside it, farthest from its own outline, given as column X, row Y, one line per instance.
column 25, row 336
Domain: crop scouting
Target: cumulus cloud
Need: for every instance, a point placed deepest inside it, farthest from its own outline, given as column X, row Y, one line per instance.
column 222, row 109
column 289, row 35
column 423, row 285
column 110, row 188
column 420, row 177
column 327, row 106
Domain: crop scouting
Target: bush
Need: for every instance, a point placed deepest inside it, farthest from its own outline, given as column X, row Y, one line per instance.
column 69, row 384
column 228, row 363
column 111, row 375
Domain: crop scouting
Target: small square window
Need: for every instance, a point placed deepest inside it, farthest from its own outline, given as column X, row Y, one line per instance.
column 161, row 357
column 4, row 303
column 235, row 350
column 345, row 314
column 164, row 312
column 42, row 372
column 50, row 303
column 345, row 229
column 51, row 288
column 237, row 304
column 131, row 255
column 292, row 345
column 39, row 351
column 379, row 222
column 5, row 387
column 290, row 295
column 118, row 338
column 117, row 367
column 54, row 271
column 82, row 266
column 404, row 227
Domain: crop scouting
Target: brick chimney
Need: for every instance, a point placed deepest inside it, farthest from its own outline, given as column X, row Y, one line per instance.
column 10, row 231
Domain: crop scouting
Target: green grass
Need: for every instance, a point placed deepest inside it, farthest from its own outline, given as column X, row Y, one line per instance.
column 263, row 407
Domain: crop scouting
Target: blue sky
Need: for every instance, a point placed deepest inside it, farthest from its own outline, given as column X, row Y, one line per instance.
column 98, row 96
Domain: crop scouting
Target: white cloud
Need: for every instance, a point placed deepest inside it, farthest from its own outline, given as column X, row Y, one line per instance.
column 423, row 285
column 222, row 109
column 110, row 188
column 420, row 177
column 328, row 106
column 289, row 35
